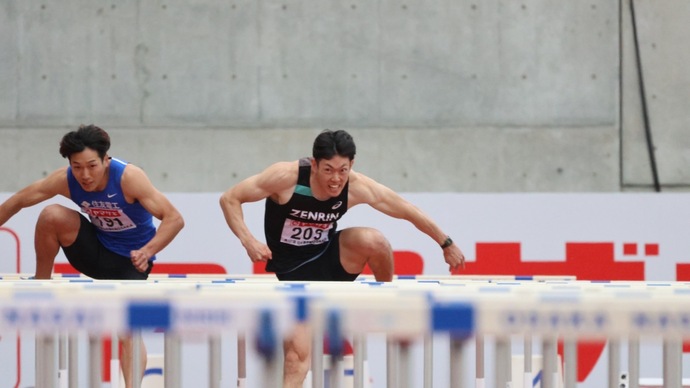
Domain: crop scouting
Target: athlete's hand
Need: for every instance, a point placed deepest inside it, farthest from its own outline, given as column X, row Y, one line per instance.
column 454, row 257
column 258, row 251
column 140, row 259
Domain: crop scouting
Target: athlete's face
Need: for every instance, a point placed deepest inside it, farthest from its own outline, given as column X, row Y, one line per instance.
column 332, row 174
column 91, row 172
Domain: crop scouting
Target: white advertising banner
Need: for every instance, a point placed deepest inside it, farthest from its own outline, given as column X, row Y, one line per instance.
column 612, row 236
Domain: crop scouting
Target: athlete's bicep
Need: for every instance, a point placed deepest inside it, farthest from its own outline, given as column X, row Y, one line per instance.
column 380, row 197
column 137, row 187
column 273, row 181
column 43, row 189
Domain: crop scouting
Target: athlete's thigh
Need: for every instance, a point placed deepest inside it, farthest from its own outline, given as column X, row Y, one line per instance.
column 357, row 244
column 61, row 221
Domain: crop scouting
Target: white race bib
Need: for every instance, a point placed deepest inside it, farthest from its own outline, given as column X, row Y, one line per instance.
column 300, row 233
column 110, row 220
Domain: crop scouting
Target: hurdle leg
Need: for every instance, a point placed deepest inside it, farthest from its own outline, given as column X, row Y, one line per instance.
column 527, row 370
column 614, row 362
column 503, row 361
column 404, row 364
column 46, row 375
column 95, row 357
column 172, row 364
column 359, row 350
column 428, row 360
column 335, row 379
column 570, row 362
column 479, row 363
column 633, row 362
column 241, row 360
column 270, row 348
column 137, row 373
column 63, row 375
column 214, row 355
column 73, row 363
column 673, row 372
column 317, row 379
column 392, row 363
column 114, row 361
column 549, row 362
column 272, row 376
column 457, row 362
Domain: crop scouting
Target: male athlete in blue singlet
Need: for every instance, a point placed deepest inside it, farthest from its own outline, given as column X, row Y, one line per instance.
column 118, row 240
column 304, row 201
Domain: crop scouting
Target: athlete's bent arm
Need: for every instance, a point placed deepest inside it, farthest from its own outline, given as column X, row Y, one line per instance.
column 366, row 190
column 137, row 187
column 273, row 182
column 39, row 191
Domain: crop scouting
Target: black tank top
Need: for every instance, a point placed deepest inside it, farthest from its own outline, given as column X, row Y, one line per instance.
column 301, row 229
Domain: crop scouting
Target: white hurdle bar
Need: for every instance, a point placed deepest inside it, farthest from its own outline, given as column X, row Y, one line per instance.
column 404, row 310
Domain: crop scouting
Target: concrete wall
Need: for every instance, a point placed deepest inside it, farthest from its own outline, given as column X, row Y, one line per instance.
column 448, row 95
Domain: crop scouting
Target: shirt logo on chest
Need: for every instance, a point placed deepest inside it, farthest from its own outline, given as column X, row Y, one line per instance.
column 313, row 216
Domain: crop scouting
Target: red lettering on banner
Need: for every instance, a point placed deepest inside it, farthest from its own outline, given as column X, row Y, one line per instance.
column 629, row 249
column 104, row 213
column 651, row 249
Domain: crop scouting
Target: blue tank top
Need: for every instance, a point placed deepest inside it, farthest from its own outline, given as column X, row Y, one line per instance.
column 120, row 226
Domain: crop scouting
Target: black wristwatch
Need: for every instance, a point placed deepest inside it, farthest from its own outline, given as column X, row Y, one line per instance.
column 448, row 242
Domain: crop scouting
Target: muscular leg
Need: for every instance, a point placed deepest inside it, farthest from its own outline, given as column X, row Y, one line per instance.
column 360, row 246
column 297, row 351
column 126, row 359
column 56, row 226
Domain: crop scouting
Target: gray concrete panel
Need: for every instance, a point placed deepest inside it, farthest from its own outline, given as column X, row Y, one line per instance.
column 662, row 30
column 412, row 160
column 320, row 63
column 354, row 64
column 54, row 50
column 197, row 62
column 635, row 162
column 542, row 63
column 495, row 95
column 9, row 64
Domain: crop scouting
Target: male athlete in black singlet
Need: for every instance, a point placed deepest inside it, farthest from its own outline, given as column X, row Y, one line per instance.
column 304, row 201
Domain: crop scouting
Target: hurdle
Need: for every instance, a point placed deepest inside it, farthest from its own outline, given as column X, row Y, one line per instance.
column 408, row 309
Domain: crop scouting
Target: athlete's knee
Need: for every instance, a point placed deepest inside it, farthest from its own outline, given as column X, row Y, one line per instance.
column 297, row 360
column 376, row 243
column 54, row 216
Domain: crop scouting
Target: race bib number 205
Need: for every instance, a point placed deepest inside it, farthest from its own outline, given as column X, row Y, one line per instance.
column 304, row 233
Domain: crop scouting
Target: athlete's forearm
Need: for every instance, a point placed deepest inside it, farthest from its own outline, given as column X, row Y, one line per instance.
column 234, row 217
column 167, row 230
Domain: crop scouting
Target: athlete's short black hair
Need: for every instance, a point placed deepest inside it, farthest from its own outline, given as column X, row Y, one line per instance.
column 87, row 136
column 330, row 143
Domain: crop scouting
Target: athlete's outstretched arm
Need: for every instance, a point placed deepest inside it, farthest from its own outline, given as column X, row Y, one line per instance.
column 137, row 187
column 273, row 182
column 366, row 190
column 39, row 191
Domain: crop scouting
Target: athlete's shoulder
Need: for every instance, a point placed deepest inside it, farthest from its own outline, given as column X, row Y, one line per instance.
column 282, row 169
